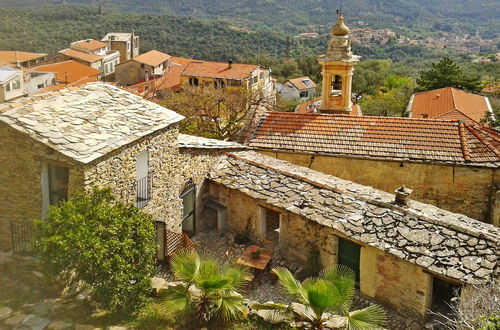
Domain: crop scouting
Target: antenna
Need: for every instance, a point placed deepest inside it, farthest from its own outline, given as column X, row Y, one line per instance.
column 340, row 9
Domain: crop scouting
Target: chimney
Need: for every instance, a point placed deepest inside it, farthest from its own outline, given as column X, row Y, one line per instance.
column 230, row 63
column 403, row 196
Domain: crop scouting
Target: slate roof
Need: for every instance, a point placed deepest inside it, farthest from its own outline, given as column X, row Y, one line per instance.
column 69, row 71
column 219, row 70
column 87, row 122
column 438, row 102
column 198, row 142
column 445, row 243
column 372, row 137
column 7, row 72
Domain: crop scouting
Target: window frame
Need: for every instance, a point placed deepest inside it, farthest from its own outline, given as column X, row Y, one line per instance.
column 191, row 188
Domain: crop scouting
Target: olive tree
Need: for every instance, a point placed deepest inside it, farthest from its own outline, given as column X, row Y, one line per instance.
column 103, row 242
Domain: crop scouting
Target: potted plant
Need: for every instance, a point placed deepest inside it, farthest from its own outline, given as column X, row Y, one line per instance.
column 255, row 252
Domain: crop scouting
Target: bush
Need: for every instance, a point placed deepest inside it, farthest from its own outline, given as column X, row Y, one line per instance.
column 105, row 243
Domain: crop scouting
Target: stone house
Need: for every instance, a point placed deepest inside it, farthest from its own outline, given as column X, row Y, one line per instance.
column 83, row 137
column 302, row 88
column 93, row 53
column 449, row 164
column 147, row 66
column 126, row 43
column 409, row 257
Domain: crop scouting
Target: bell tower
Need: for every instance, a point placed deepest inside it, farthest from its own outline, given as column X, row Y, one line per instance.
column 337, row 69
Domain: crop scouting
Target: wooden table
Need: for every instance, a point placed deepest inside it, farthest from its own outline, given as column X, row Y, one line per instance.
column 256, row 263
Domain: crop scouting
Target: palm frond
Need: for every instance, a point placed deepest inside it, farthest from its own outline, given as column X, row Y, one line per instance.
column 290, row 284
column 343, row 281
column 371, row 317
column 177, row 300
column 237, row 275
column 186, row 265
column 321, row 297
column 230, row 307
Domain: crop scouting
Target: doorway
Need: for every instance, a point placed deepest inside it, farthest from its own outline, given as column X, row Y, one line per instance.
column 269, row 225
column 349, row 255
column 442, row 294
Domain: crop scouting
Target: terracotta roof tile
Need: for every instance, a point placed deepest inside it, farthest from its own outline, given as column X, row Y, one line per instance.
column 435, row 103
column 378, row 137
column 89, row 44
column 181, row 60
column 69, row 71
column 312, row 106
column 80, row 55
column 152, row 58
column 302, row 83
column 14, row 56
column 219, row 70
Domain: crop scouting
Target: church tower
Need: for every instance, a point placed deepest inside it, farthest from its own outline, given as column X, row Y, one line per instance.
column 337, row 69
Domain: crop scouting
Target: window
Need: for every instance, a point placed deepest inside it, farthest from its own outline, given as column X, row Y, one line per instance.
column 189, row 208
column 193, row 81
column 307, row 82
column 254, row 80
column 54, row 186
column 142, row 65
column 16, row 84
column 304, row 94
column 8, row 87
column 337, row 83
column 128, row 45
column 233, row 82
column 143, row 183
column 40, row 86
column 219, row 84
column 269, row 225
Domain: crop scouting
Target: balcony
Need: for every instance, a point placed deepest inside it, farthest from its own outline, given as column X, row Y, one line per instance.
column 143, row 188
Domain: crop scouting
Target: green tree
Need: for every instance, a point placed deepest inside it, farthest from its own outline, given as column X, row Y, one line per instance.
column 207, row 291
column 447, row 73
column 392, row 103
column 331, row 292
column 103, row 242
column 370, row 75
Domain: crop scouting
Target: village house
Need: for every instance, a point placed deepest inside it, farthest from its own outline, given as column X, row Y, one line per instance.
column 126, row 43
column 19, row 82
column 301, row 89
column 84, row 137
column 450, row 164
column 449, row 104
column 70, row 73
column 24, row 59
column 93, row 53
column 148, row 66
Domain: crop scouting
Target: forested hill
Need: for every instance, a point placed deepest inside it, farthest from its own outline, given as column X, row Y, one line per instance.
column 290, row 16
column 49, row 29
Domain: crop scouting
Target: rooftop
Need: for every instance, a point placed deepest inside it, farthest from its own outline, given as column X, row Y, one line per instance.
column 387, row 138
column 198, row 142
column 118, row 36
column 89, row 44
column 7, row 72
column 445, row 243
column 87, row 122
column 14, row 56
column 80, row 55
column 69, row 71
column 152, row 58
column 313, row 106
column 302, row 83
column 219, row 70
column 438, row 102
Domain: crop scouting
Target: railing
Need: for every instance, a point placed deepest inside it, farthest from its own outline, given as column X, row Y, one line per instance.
column 143, row 189
column 23, row 236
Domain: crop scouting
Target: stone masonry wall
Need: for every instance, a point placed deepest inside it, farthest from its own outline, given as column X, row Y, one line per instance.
column 21, row 162
column 386, row 278
column 118, row 171
column 460, row 189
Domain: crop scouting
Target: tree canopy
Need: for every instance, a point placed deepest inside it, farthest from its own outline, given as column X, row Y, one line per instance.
column 103, row 242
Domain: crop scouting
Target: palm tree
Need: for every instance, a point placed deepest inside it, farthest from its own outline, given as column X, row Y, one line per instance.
column 325, row 300
column 207, row 291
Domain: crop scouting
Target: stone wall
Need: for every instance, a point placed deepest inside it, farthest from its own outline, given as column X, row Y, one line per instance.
column 21, row 162
column 461, row 189
column 391, row 281
column 117, row 170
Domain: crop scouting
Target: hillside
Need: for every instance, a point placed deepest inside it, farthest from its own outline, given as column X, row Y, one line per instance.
column 291, row 16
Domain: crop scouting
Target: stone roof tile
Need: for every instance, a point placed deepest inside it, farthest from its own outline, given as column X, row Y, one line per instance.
column 198, row 142
column 445, row 243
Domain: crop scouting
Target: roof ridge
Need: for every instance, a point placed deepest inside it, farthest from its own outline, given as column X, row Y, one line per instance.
column 453, row 98
column 446, row 113
column 463, row 142
column 472, row 130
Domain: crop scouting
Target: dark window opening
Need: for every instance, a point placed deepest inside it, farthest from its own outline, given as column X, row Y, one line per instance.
column 272, row 226
column 189, row 209
column 349, row 255
column 58, row 184
column 337, row 83
column 142, row 65
column 219, row 84
column 304, row 94
column 193, row 81
column 442, row 294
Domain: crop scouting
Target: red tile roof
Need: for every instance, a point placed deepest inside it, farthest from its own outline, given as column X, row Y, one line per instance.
column 313, row 105
column 80, row 55
column 89, row 44
column 152, row 58
column 11, row 56
column 219, row 70
column 378, row 138
column 300, row 85
column 69, row 71
column 431, row 104
column 181, row 60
